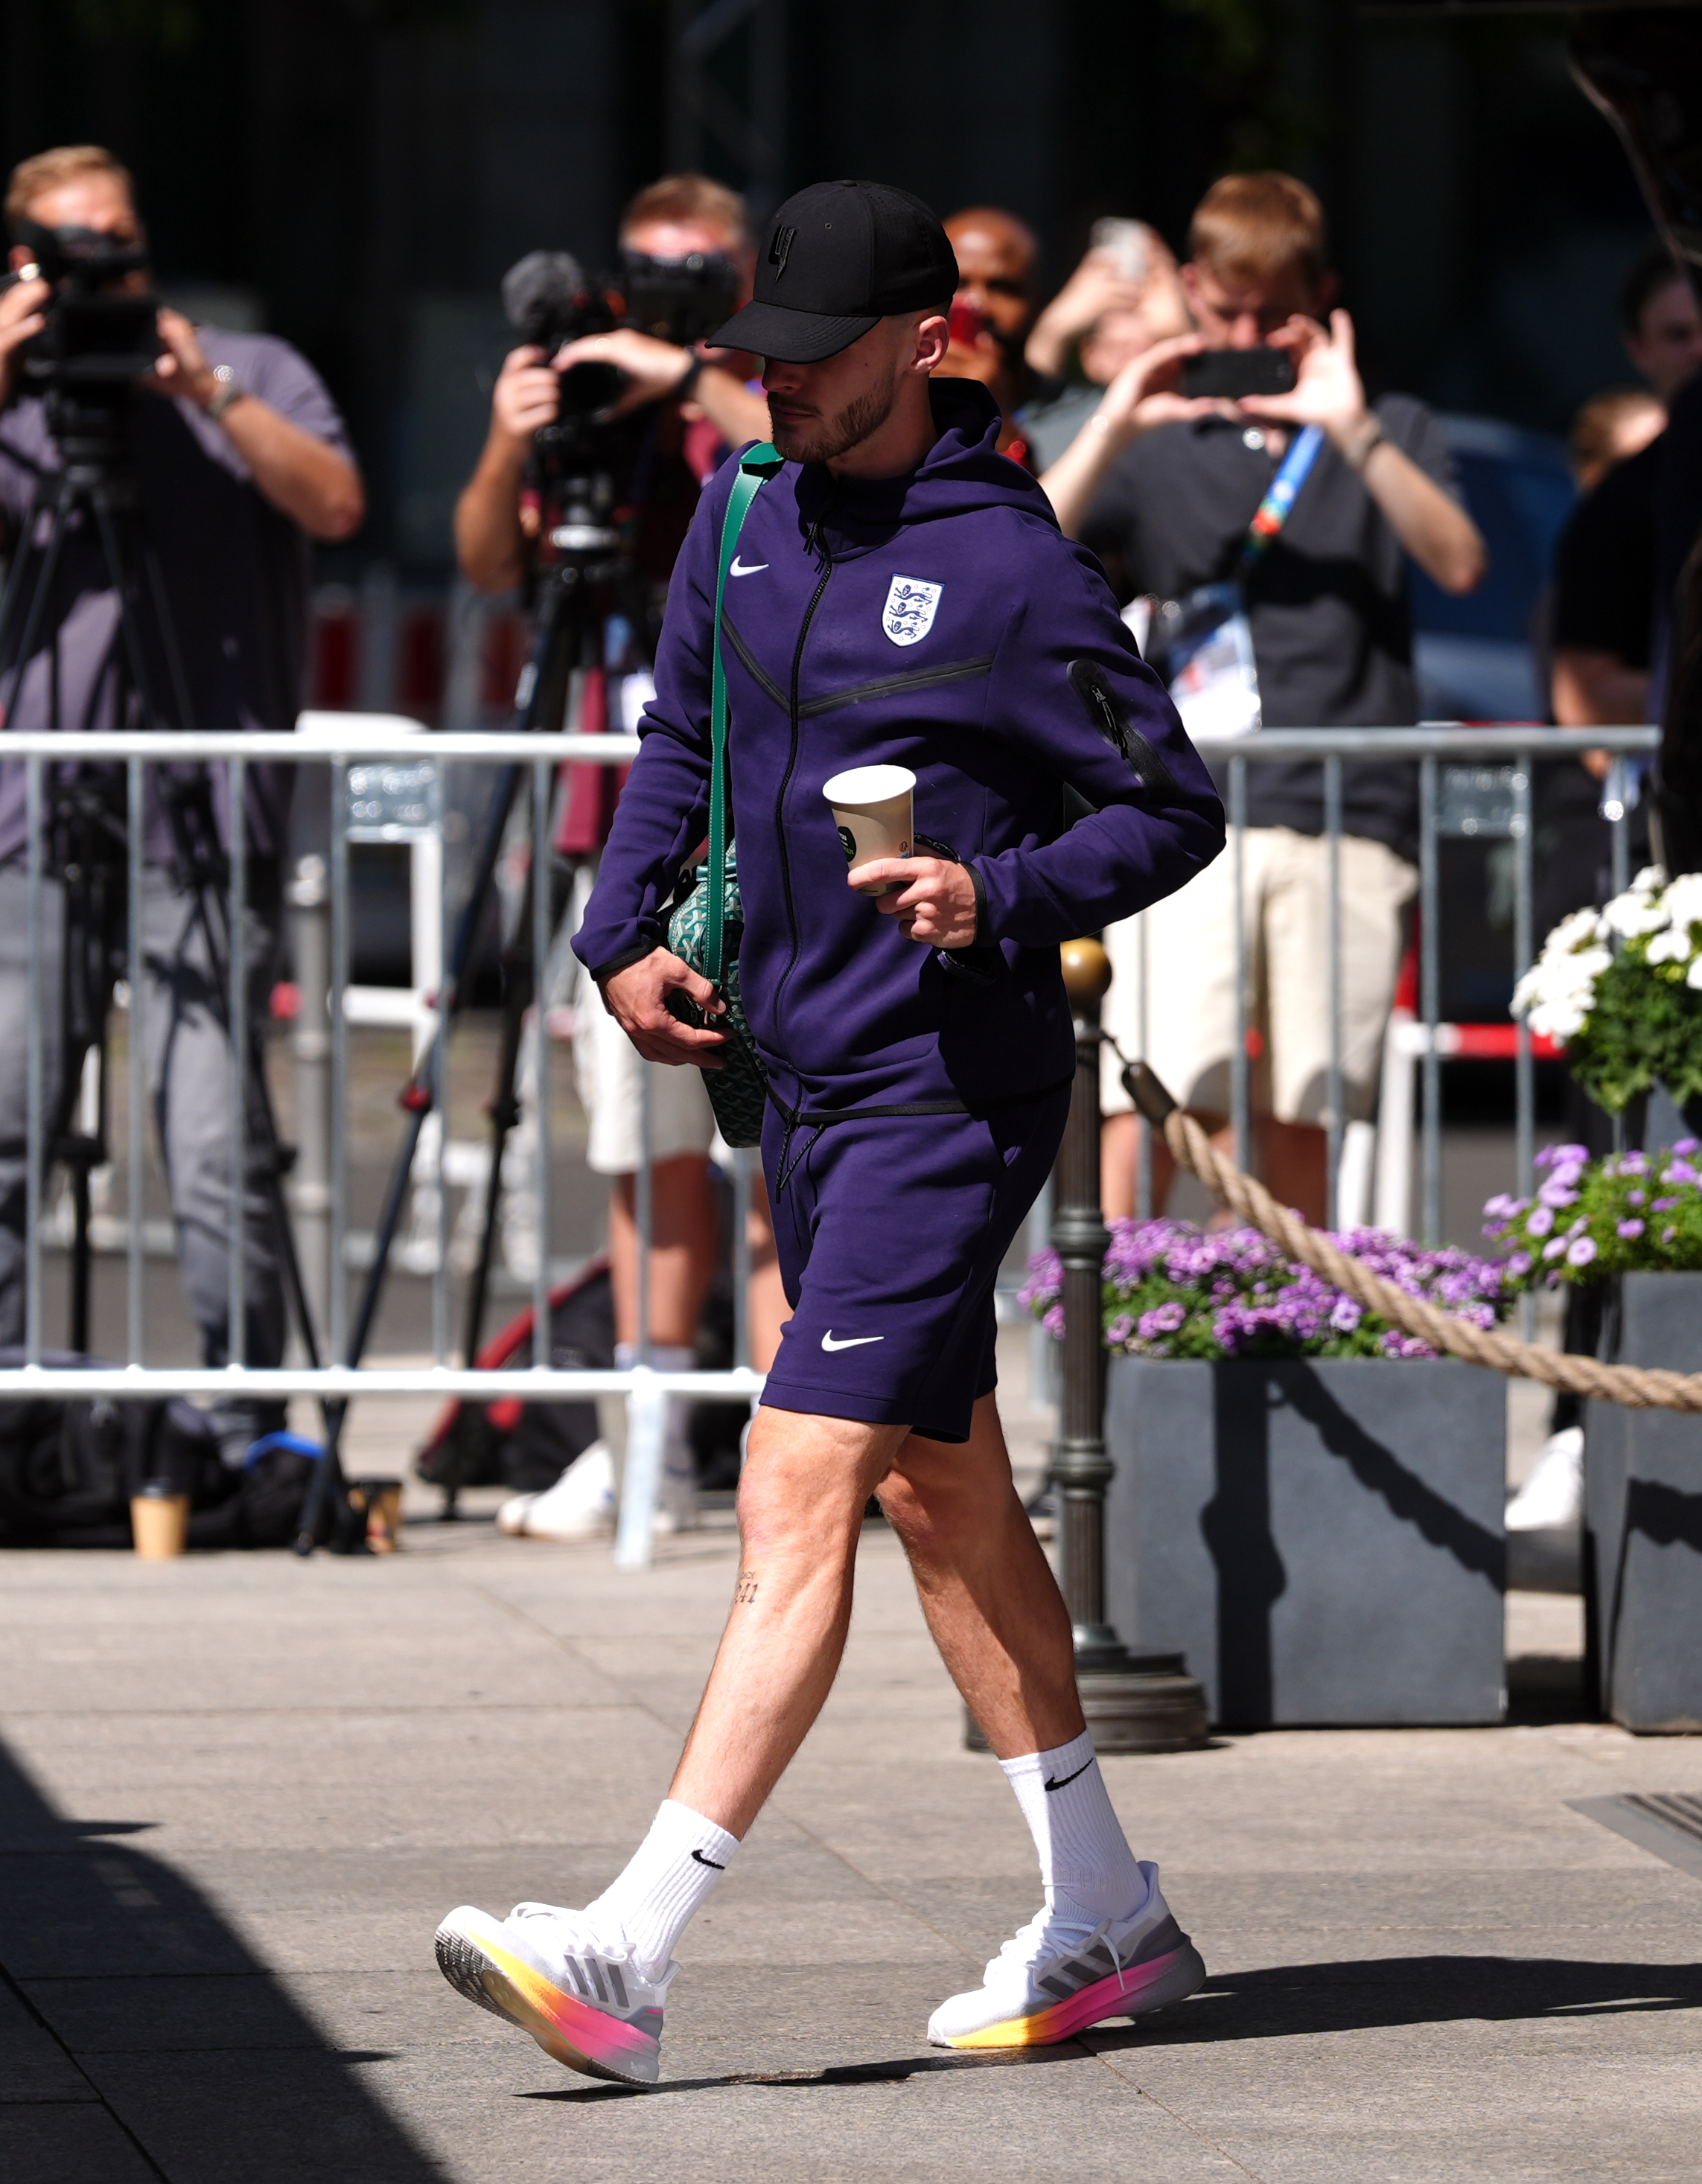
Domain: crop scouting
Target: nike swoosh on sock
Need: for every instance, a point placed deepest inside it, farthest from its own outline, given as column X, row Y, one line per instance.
column 1049, row 1784
column 702, row 1860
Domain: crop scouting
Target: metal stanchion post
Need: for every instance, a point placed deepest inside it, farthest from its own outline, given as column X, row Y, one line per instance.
column 311, row 1183
column 1134, row 1699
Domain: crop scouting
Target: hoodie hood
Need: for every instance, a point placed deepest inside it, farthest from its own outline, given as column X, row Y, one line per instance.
column 961, row 472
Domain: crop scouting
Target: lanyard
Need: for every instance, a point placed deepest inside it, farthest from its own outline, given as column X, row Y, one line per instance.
column 1273, row 511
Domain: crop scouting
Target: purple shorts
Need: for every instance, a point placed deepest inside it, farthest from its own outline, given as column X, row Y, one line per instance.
column 890, row 1231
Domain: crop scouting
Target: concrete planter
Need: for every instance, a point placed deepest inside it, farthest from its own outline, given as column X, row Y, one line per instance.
column 1321, row 1537
column 1643, row 1517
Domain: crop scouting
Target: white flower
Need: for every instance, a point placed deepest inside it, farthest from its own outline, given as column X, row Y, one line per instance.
column 1682, row 901
column 1672, row 946
column 1632, row 914
column 1693, row 977
column 1650, row 880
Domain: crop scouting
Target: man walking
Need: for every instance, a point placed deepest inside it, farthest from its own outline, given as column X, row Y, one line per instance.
column 900, row 595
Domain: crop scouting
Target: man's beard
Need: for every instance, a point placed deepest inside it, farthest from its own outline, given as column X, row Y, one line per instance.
column 823, row 439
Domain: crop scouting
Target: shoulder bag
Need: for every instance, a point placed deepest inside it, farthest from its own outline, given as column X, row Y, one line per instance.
column 706, row 928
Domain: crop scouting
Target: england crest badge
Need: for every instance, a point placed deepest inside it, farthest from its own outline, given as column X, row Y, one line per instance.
column 911, row 604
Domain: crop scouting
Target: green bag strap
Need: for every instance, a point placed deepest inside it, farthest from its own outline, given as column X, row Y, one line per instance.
column 754, row 473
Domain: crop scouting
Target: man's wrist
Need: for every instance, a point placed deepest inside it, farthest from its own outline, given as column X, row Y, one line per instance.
column 1353, row 436
column 223, row 390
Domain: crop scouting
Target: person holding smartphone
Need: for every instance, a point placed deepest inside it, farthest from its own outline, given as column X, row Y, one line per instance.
column 1163, row 482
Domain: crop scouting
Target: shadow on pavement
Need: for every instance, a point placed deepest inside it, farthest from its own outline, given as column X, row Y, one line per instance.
column 1284, row 2000
column 835, row 2075
column 141, row 2039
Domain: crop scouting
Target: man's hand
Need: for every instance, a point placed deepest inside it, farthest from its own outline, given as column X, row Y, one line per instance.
column 1147, row 392
column 181, row 371
column 653, row 368
column 523, row 400
column 637, row 998
column 1328, row 391
column 1095, row 288
column 937, row 908
column 21, row 319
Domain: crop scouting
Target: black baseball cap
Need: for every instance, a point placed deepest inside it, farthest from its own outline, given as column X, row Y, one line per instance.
column 838, row 258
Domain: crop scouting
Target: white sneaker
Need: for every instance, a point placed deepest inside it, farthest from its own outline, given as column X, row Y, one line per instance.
column 579, row 1506
column 1552, row 1499
column 576, row 1991
column 1052, row 1980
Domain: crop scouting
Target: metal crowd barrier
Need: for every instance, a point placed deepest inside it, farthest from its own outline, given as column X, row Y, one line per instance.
column 385, row 782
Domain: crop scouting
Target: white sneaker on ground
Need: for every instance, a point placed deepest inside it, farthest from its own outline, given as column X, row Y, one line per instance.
column 579, row 1506
column 1552, row 1499
column 1052, row 1980
column 575, row 1990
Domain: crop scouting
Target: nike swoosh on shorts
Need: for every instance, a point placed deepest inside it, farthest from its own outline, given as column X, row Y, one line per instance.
column 738, row 568
column 849, row 1341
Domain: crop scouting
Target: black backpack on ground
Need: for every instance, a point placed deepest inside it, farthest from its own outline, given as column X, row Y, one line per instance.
column 69, row 1468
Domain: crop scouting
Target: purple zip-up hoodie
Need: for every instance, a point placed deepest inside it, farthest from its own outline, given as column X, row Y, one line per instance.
column 939, row 621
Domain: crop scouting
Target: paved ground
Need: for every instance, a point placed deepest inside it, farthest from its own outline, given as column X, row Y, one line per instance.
column 236, row 1793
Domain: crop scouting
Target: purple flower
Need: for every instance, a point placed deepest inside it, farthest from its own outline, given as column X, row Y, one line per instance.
column 1541, row 1221
column 1668, row 1235
column 1629, row 1229
column 1688, row 1145
column 1581, row 1252
column 1556, row 1191
column 1664, row 1204
column 1554, row 1247
column 1163, row 1319
column 1345, row 1315
column 1053, row 1322
column 1519, row 1264
column 1680, row 1170
column 1633, row 1198
column 1119, row 1331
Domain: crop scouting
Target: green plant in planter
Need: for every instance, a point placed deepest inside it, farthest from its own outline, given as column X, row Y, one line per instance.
column 1171, row 1291
column 1620, row 989
column 1628, row 1212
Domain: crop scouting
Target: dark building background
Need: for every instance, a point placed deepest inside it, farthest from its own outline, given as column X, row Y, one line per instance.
column 356, row 175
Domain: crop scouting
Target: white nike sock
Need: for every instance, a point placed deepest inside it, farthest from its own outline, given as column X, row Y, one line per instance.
column 667, row 1357
column 1088, row 1870
column 665, row 1883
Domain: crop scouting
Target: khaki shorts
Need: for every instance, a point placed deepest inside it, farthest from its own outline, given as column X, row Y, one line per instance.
column 610, row 1074
column 1187, row 956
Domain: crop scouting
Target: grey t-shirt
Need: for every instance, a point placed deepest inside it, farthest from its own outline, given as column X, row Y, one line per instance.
column 1326, row 602
column 235, row 571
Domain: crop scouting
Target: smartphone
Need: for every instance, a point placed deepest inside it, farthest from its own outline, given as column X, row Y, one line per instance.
column 1229, row 373
column 966, row 322
column 1125, row 243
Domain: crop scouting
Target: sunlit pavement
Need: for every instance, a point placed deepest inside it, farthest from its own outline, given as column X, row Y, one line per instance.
column 240, row 1791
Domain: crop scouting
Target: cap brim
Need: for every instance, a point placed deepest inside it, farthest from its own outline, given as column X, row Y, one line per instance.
column 790, row 336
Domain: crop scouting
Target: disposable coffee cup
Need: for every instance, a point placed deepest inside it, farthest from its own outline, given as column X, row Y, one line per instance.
column 159, row 1521
column 871, row 807
column 382, row 1500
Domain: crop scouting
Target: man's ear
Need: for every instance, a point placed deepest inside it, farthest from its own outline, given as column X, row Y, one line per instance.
column 933, row 338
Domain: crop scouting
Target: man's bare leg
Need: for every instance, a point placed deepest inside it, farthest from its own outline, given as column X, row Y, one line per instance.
column 991, row 1601
column 806, row 1484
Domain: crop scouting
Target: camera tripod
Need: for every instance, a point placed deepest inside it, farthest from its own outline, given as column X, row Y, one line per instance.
column 578, row 597
column 96, row 494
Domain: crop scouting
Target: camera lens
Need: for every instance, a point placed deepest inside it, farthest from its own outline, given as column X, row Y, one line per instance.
column 589, row 389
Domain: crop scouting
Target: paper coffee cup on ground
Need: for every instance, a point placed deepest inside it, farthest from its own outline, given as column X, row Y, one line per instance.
column 382, row 1501
column 872, row 810
column 159, row 1521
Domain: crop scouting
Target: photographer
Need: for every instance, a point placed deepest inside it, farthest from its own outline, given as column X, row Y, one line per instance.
column 679, row 414
column 240, row 458
column 1165, row 488
column 680, row 388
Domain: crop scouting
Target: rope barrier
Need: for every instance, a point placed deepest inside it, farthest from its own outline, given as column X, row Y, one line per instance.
column 1638, row 1387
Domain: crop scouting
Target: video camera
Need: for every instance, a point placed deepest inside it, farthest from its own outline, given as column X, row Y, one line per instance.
column 100, row 333
column 548, row 300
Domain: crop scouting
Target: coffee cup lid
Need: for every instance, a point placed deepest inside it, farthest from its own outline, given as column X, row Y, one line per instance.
column 869, row 784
